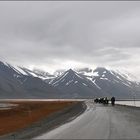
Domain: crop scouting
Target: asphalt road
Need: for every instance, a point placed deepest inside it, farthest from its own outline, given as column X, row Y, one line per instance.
column 100, row 122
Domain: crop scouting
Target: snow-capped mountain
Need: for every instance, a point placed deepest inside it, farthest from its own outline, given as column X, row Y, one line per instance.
column 75, row 85
column 16, row 82
column 19, row 82
column 114, row 82
column 35, row 73
column 42, row 74
column 86, row 83
column 9, row 85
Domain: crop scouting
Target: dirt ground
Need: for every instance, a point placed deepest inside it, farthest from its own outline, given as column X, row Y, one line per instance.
column 28, row 112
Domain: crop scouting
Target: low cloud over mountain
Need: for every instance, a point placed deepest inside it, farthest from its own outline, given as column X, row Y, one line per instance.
column 19, row 82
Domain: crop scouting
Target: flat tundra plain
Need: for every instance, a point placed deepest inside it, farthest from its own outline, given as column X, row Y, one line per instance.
column 15, row 115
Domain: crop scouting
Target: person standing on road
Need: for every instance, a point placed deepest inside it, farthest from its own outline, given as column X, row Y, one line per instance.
column 113, row 101
column 106, row 100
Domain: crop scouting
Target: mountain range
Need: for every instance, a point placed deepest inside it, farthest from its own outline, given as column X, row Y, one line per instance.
column 20, row 82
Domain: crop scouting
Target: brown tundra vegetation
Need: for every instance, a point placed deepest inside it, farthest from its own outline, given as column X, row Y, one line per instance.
column 28, row 112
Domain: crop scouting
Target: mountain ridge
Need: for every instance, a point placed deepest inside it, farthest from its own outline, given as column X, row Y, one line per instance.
column 20, row 82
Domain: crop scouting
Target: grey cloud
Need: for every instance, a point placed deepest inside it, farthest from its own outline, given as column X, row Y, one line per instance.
column 49, row 33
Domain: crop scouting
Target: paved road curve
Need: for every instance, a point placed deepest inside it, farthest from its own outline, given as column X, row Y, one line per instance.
column 100, row 122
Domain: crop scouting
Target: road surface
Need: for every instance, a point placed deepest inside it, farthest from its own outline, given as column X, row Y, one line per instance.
column 100, row 122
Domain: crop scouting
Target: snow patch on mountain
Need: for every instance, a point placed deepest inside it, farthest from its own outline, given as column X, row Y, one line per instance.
column 58, row 79
column 94, row 81
column 84, row 84
column 95, row 74
column 125, row 74
column 69, row 82
column 19, row 70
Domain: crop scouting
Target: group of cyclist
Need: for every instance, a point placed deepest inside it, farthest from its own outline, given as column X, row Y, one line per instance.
column 105, row 101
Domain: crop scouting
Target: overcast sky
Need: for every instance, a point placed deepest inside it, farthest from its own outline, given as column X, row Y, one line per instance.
column 58, row 35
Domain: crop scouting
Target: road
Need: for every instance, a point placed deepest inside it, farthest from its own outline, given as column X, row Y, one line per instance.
column 100, row 122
